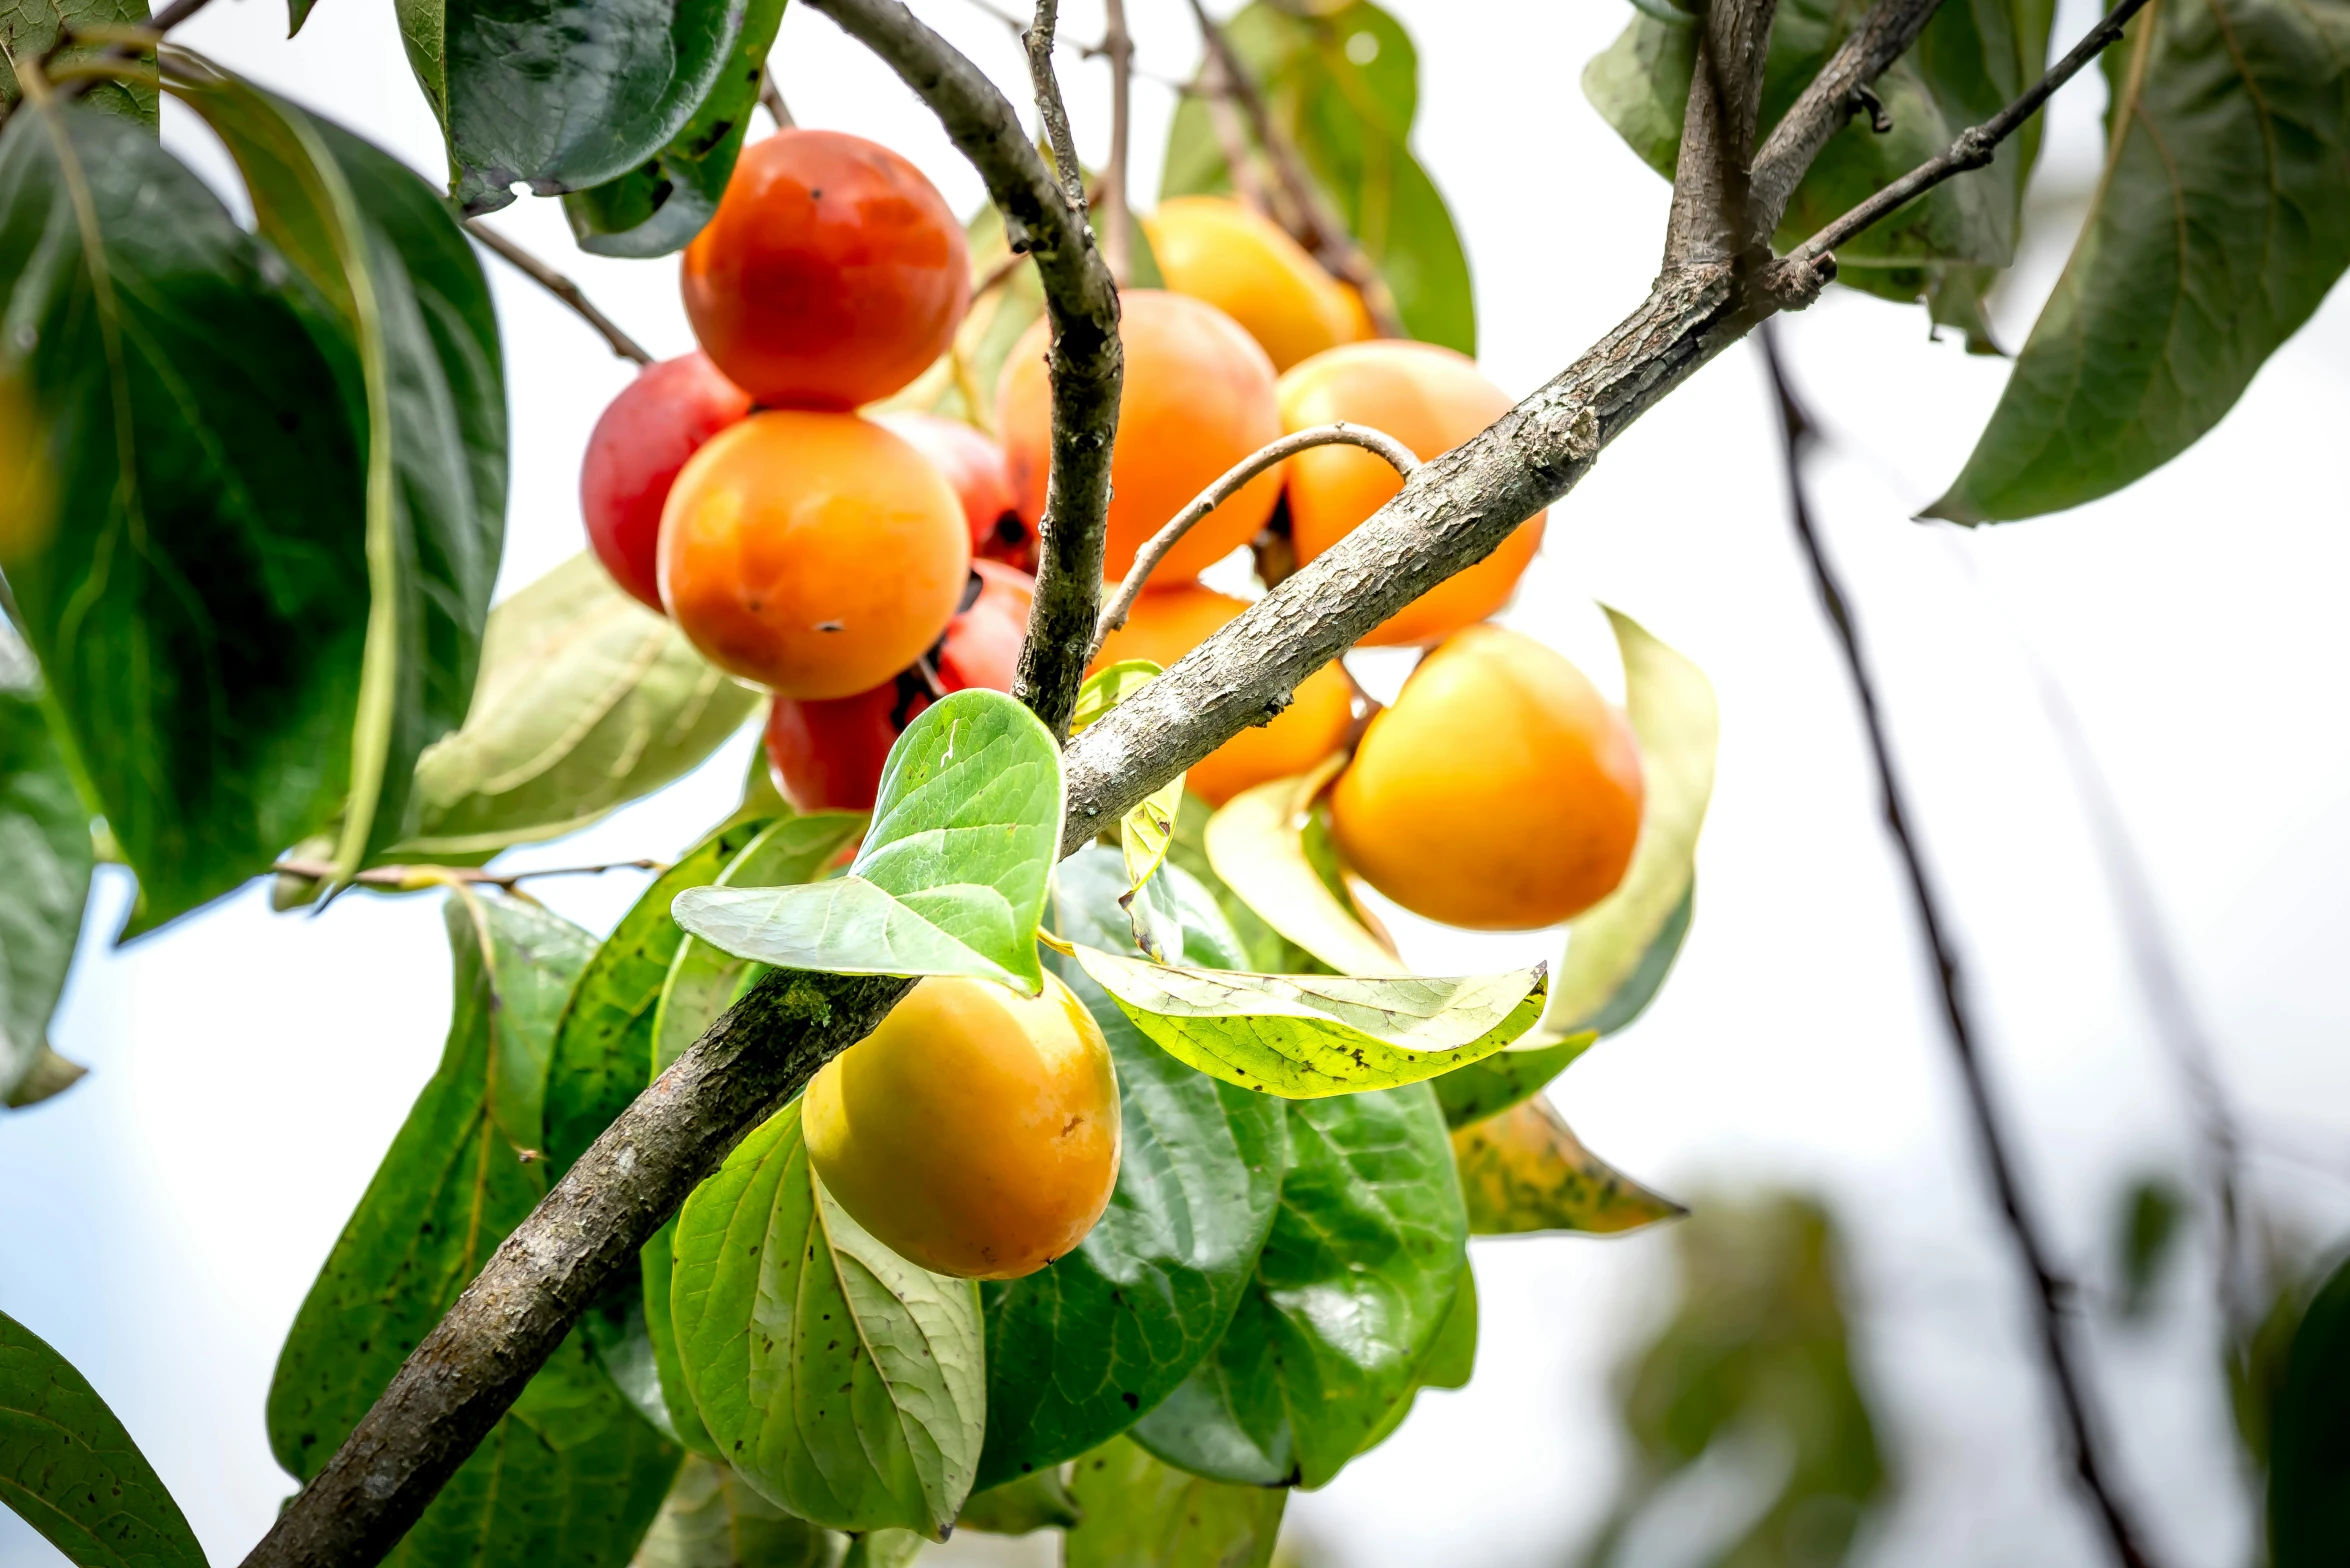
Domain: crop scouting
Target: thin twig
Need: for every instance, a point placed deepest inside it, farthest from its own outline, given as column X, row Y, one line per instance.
column 1038, row 40
column 1242, row 160
column 1821, row 109
column 561, row 287
column 1974, row 146
column 2051, row 1291
column 771, row 100
column 1118, row 49
column 1146, row 559
column 415, row 879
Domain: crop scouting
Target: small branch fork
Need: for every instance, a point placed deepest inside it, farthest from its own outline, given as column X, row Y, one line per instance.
column 560, row 286
column 2052, row 1293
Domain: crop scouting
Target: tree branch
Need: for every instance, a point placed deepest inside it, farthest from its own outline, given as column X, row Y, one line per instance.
column 2050, row 1291
column 1819, row 112
column 561, row 287
column 1038, row 40
column 1118, row 48
column 416, row 879
column 771, row 100
column 1708, row 220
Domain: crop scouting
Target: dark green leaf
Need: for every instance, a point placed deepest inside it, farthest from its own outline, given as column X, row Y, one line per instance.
column 1352, row 1287
column 29, row 30
column 714, row 1519
column 1525, row 1171
column 388, row 256
column 1489, row 1087
column 2222, row 219
column 1022, row 1507
column 847, row 1383
column 2153, row 1218
column 1140, row 1513
column 2309, row 1436
column 45, row 862
column 951, row 878
column 70, row 1471
column 1080, row 1349
column 562, row 94
column 50, row 1074
column 197, row 595
column 659, row 207
column 1447, row 1363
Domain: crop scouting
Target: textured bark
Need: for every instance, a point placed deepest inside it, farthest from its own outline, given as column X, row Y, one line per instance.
column 1708, row 221
column 1883, row 36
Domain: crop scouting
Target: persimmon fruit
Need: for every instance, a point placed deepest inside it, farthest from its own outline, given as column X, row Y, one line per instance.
column 1429, row 398
column 641, row 440
column 975, row 466
column 815, row 554
column 1246, row 265
column 1198, row 398
column 831, row 275
column 1167, row 623
column 976, row 1131
column 1501, row 792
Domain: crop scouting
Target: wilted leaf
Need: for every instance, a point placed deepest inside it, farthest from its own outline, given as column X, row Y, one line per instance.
column 1524, row 1171
column 1140, row 1513
column 1022, row 1507
column 2222, row 219
column 713, row 1518
column 1256, row 844
column 2309, row 1436
column 587, row 701
column 951, row 878
column 45, row 862
column 843, row 1381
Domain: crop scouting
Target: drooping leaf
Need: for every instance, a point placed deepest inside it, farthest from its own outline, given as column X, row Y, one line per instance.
column 562, row 95
column 660, row 206
column 1614, row 944
column 1489, row 1087
column 1353, row 1285
column 387, row 255
column 2309, row 1435
column 197, row 591
column 1448, row 1361
column 1257, row 846
column 1525, row 1171
column 2222, row 219
column 1260, row 947
column 45, row 862
column 951, row 879
column 1303, row 1036
column 1140, row 1513
column 713, row 1518
column 587, row 701
column 1021, row 1507
column 70, row 1471
column 1078, row 1350
column 30, row 29
column 841, row 1380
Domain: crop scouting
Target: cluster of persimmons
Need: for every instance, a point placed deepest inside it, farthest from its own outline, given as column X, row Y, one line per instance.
column 859, row 566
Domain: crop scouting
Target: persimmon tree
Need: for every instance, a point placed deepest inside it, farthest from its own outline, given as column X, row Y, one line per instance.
column 620, row 1288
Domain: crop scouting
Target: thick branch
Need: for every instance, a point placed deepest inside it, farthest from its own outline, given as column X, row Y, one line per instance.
column 561, row 287
column 1884, row 36
column 1708, row 221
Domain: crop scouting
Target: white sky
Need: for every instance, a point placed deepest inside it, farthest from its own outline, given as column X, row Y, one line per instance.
column 161, row 1223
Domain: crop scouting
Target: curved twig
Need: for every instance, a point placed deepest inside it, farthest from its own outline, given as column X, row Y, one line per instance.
column 1147, row 559
column 561, row 287
column 1038, row 40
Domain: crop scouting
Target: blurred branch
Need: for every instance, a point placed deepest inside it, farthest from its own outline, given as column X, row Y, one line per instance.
column 1118, row 49
column 2051, row 1292
column 771, row 100
column 561, row 287
column 416, row 879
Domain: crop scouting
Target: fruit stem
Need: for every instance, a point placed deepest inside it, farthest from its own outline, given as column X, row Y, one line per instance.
column 561, row 287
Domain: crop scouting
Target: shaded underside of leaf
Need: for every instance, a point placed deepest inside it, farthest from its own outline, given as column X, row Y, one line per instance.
column 45, row 863
column 1256, row 844
column 1141, row 1513
column 1525, row 1171
column 713, row 1518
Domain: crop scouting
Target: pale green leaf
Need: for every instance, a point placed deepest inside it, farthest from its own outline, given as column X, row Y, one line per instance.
column 45, row 863
column 1141, row 1513
column 1518, row 1072
column 1023, row 1506
column 713, row 1518
column 1256, row 844
column 1525, row 1171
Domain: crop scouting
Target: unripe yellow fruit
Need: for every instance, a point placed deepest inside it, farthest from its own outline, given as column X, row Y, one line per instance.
column 976, row 1131
column 1243, row 263
column 1501, row 792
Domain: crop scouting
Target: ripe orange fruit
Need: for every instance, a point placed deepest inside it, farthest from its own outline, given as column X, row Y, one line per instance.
column 1500, row 792
column 816, row 554
column 640, row 442
column 1166, row 624
column 975, row 466
column 976, row 1131
column 832, row 274
column 1429, row 398
column 1198, row 398
column 1246, row 265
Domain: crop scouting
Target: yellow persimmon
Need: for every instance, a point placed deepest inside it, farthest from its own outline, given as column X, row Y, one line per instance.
column 1246, row 265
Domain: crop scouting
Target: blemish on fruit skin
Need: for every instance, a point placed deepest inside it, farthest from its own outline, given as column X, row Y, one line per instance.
column 827, row 626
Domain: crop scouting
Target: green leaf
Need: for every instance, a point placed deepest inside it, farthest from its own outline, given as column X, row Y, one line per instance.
column 45, row 862
column 1022, row 1507
column 1353, row 1286
column 1525, row 1171
column 882, row 1549
column 1449, row 1360
column 30, row 29
column 1518, row 1072
column 587, row 701
column 1611, row 965
column 1147, row 831
column 49, row 1075
column 2222, row 219
column 388, row 256
column 1078, row 1350
column 562, row 95
column 841, row 1380
column 659, row 207
column 196, row 598
column 1256, row 945
column 2309, row 1436
column 1257, row 845
column 713, row 1518
column 70, row 1471
column 1140, row 1513
column 952, row 876
column 657, row 1261
column 1303, row 1036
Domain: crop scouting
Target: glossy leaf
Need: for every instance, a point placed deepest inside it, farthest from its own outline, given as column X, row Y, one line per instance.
column 660, row 206
column 1021, row 1507
column 951, row 878
column 1256, row 844
column 841, row 1380
column 1078, row 1350
column 1303, row 1036
column 2309, row 1436
column 387, row 255
column 1610, row 945
column 1448, row 1361
column 1524, row 1171
column 197, row 592
column 45, row 862
column 1108, row 687
column 657, row 1264
column 713, row 1518
column 1141, row 1513
column 70, row 1471
column 587, row 701
column 1352, row 1288
column 1519, row 1072
column 562, row 95
column 30, row 29
column 2222, row 219
column 1260, row 947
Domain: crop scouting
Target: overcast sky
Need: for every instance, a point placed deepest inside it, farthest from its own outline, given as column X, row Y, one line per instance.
column 161, row 1222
